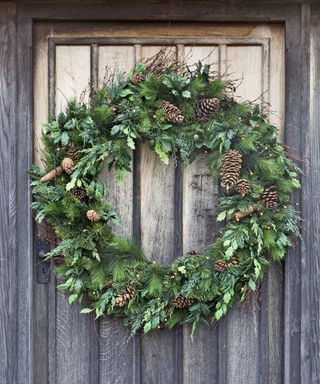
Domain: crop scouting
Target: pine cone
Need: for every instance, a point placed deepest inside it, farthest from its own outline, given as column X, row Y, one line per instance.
column 220, row 265
column 137, row 78
column 79, row 193
column 173, row 113
column 123, row 299
column 206, row 108
column 230, row 168
column 192, row 253
column 270, row 196
column 67, row 165
column 233, row 262
column 73, row 153
column 243, row 187
column 182, row 302
column 92, row 215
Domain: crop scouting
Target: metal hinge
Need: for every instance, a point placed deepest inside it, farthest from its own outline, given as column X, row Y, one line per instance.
column 43, row 267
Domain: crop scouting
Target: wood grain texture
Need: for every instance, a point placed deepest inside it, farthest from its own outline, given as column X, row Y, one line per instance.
column 157, row 239
column 116, row 348
column 8, row 260
column 310, row 260
column 292, row 293
column 74, row 345
column 72, row 73
column 76, row 337
column 200, row 355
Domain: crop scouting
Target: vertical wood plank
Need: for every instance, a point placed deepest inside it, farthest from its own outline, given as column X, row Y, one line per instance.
column 157, row 238
column 310, row 260
column 292, row 299
column 72, row 74
column 116, row 348
column 44, row 314
column 23, row 219
column 9, row 312
column 200, row 195
column 245, row 62
column 74, row 332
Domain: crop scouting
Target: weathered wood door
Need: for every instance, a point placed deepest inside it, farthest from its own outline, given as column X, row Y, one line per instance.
column 171, row 210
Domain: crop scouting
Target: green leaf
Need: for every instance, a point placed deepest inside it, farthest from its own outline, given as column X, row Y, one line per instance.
column 227, row 297
column 186, row 94
column 130, row 142
column 72, row 298
column 147, row 327
column 252, row 285
column 163, row 155
column 87, row 310
column 126, row 92
column 218, row 314
column 222, row 215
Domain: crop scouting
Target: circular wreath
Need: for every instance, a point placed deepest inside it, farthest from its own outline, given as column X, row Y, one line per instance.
column 179, row 111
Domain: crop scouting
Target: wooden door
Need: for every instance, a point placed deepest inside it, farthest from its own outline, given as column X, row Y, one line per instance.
column 171, row 210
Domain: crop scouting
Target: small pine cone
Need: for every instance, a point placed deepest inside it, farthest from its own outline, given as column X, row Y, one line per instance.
column 123, row 299
column 92, row 215
column 67, row 165
column 233, row 262
column 73, row 153
column 137, row 78
column 182, row 302
column 173, row 113
column 270, row 196
column 220, row 265
column 230, row 168
column 206, row 108
column 243, row 187
column 115, row 109
column 192, row 253
column 79, row 193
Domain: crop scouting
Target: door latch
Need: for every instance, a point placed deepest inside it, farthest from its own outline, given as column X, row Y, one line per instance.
column 43, row 267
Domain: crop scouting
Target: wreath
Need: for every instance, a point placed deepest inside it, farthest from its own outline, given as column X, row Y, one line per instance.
column 179, row 111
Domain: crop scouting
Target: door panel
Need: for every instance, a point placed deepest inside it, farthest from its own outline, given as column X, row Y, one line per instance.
column 170, row 209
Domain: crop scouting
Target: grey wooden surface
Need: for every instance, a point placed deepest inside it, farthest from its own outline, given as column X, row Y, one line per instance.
column 277, row 344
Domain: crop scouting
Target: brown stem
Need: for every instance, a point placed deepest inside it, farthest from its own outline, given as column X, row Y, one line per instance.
column 240, row 215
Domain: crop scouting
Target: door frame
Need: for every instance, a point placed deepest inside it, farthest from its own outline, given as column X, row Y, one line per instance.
column 297, row 94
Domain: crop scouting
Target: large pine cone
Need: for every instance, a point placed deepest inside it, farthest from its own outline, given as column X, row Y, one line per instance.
column 173, row 113
column 123, row 299
column 243, row 187
column 137, row 78
column 67, row 165
column 270, row 196
column 206, row 108
column 230, row 168
column 182, row 302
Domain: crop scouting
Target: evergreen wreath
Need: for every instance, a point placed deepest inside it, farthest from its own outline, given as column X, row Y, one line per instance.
column 179, row 111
